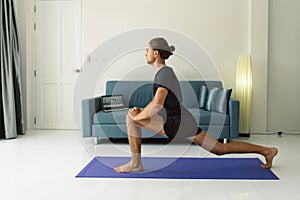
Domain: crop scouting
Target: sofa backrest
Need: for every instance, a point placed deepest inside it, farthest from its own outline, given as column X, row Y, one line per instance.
column 139, row 93
column 135, row 93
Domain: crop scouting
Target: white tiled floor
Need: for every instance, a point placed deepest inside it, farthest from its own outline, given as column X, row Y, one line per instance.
column 42, row 165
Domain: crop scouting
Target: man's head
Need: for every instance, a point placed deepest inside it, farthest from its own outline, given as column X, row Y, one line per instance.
column 158, row 47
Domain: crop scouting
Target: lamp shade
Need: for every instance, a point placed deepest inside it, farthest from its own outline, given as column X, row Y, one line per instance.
column 244, row 91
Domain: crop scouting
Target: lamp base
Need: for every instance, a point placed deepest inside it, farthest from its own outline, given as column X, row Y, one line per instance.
column 244, row 135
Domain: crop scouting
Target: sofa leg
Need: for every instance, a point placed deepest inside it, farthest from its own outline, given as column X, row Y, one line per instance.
column 97, row 140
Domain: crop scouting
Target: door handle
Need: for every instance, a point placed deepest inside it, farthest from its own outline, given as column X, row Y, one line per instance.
column 77, row 70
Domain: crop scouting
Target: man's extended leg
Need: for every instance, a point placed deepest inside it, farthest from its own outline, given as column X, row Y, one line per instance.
column 211, row 144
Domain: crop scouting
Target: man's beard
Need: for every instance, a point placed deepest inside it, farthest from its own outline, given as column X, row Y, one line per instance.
column 150, row 62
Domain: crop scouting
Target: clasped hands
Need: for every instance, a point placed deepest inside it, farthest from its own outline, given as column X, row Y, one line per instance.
column 134, row 112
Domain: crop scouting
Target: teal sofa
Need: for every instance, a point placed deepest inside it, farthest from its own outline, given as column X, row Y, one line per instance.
column 103, row 125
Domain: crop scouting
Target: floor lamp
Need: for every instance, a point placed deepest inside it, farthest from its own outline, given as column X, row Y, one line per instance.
column 244, row 92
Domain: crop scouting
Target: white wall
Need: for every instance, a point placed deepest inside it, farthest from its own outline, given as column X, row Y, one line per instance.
column 221, row 27
column 284, row 66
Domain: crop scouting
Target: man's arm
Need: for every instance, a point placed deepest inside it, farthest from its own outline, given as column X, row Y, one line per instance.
column 152, row 108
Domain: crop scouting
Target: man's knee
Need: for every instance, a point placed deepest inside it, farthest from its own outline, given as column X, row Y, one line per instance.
column 131, row 122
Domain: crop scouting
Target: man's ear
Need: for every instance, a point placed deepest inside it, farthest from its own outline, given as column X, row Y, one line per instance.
column 156, row 53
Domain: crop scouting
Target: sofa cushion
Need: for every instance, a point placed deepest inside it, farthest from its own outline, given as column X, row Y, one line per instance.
column 221, row 103
column 209, row 117
column 211, row 98
column 217, row 100
column 202, row 96
column 117, row 117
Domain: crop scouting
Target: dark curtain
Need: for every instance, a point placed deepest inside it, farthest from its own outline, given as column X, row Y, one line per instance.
column 11, row 117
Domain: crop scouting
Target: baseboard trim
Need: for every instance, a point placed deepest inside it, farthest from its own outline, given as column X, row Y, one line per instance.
column 244, row 135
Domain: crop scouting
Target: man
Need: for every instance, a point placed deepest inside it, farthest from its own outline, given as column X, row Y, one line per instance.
column 165, row 115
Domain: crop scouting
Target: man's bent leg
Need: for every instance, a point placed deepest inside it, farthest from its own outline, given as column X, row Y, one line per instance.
column 135, row 142
column 154, row 124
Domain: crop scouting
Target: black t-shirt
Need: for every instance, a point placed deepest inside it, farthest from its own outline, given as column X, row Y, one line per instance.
column 166, row 78
column 178, row 120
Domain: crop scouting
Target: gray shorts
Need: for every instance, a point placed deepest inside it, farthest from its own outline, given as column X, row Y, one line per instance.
column 181, row 126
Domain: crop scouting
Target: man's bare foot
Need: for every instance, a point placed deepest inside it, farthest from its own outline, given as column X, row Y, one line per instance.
column 270, row 154
column 129, row 167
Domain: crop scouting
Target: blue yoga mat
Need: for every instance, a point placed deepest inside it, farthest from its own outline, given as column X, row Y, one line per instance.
column 181, row 168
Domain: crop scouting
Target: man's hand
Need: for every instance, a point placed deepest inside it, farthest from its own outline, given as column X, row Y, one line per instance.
column 134, row 112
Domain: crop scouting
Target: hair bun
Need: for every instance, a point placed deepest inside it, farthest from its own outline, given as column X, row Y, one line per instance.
column 172, row 48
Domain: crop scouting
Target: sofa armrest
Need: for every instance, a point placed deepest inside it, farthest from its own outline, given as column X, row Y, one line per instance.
column 234, row 112
column 89, row 108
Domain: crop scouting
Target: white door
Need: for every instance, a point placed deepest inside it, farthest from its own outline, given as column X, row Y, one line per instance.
column 58, row 61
